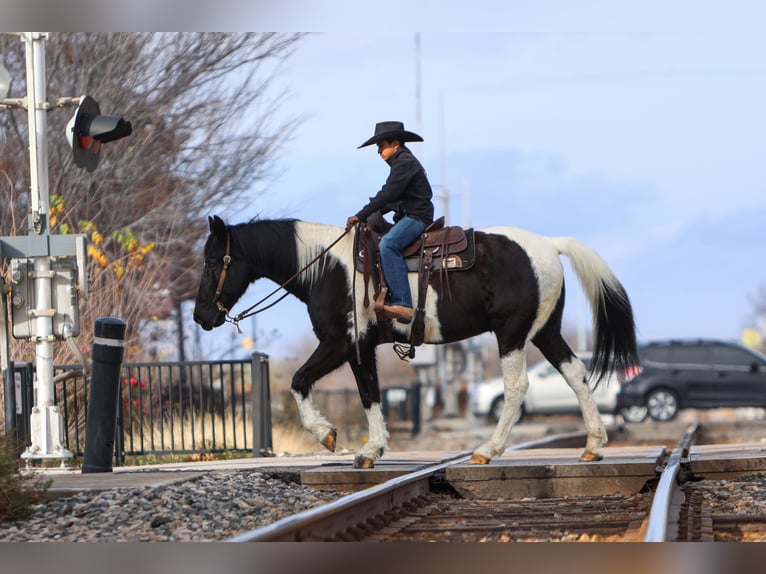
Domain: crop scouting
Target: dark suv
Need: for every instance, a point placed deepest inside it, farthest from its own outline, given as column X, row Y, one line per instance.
column 701, row 374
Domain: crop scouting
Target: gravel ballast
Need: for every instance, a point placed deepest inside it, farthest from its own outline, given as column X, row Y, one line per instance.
column 213, row 507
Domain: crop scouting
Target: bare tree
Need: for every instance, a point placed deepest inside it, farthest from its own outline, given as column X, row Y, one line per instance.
column 205, row 136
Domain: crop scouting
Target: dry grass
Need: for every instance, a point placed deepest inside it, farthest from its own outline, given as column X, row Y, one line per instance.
column 178, row 434
column 294, row 440
column 173, row 432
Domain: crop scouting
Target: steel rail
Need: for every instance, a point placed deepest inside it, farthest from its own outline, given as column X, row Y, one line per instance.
column 349, row 510
column 665, row 509
column 314, row 523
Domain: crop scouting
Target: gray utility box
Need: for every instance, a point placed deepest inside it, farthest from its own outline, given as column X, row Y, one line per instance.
column 64, row 297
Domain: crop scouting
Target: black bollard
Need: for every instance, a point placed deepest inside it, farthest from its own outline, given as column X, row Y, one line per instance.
column 108, row 350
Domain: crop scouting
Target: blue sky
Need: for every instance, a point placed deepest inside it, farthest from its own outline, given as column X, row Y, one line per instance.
column 640, row 133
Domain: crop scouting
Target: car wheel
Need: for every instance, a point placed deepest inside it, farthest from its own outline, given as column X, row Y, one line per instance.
column 497, row 409
column 662, row 405
column 635, row 414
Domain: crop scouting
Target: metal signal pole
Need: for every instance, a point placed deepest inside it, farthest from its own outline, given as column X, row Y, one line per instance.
column 46, row 420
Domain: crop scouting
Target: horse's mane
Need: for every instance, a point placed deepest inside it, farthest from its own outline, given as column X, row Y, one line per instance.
column 268, row 241
column 258, row 219
column 290, row 244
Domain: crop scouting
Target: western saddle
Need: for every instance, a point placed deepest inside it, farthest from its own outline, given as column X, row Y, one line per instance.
column 439, row 248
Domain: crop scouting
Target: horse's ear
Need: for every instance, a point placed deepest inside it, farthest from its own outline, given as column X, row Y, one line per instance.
column 217, row 226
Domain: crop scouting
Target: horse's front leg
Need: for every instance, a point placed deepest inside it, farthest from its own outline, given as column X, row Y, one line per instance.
column 366, row 375
column 377, row 441
column 314, row 422
column 327, row 357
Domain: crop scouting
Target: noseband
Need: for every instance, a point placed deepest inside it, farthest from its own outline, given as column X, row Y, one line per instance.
column 222, row 278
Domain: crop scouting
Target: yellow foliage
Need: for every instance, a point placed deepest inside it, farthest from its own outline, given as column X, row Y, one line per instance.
column 97, row 255
column 119, row 269
column 126, row 241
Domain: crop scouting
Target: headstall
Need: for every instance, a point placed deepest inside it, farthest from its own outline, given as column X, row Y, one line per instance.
column 222, row 278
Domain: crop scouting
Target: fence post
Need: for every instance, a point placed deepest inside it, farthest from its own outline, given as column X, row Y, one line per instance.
column 100, row 422
column 9, row 395
column 261, row 401
column 415, row 392
column 119, row 434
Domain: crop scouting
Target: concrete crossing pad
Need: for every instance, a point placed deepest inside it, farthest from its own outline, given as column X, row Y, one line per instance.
column 724, row 461
column 553, row 472
column 344, row 478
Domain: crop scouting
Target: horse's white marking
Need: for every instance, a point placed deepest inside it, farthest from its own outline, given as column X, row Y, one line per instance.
column 516, row 383
column 547, row 267
column 432, row 329
column 575, row 373
column 311, row 419
column 311, row 239
column 377, row 439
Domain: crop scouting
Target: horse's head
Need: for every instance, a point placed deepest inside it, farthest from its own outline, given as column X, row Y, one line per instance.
column 224, row 278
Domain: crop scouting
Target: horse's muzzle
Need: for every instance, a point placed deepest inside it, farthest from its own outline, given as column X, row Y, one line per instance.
column 209, row 321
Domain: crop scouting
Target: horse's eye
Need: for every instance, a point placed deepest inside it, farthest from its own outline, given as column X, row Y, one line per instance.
column 210, row 265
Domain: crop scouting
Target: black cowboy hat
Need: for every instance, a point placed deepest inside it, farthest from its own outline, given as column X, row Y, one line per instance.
column 390, row 131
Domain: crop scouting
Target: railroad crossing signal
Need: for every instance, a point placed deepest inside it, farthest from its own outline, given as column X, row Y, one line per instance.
column 88, row 129
column 49, row 271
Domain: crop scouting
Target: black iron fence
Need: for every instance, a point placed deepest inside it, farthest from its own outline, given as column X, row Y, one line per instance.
column 164, row 408
column 198, row 407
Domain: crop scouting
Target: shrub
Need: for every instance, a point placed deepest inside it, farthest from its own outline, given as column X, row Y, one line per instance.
column 18, row 492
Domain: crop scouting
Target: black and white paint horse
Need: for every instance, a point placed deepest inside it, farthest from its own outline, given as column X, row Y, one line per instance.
column 515, row 290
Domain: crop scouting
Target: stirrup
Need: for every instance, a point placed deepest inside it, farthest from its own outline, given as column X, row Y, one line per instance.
column 403, row 352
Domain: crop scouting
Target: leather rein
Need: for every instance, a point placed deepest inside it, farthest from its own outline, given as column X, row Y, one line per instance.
column 252, row 310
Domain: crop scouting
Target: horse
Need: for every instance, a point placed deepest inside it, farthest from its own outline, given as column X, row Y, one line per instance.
column 515, row 290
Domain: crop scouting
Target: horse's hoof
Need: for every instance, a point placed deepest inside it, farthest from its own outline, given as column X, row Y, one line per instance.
column 329, row 440
column 478, row 459
column 589, row 456
column 363, row 462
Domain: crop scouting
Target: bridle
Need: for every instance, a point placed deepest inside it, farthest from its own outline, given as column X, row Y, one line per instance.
column 250, row 311
column 222, row 278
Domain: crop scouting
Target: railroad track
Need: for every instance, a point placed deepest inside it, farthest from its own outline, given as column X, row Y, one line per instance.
column 422, row 506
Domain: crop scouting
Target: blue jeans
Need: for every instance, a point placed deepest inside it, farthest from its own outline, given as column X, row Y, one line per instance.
column 402, row 234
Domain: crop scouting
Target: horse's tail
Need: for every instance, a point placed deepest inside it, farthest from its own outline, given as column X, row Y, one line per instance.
column 614, row 328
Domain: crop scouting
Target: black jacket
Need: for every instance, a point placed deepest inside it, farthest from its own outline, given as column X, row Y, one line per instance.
column 406, row 191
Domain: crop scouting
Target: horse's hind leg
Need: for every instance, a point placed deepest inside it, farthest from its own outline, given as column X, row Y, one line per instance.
column 366, row 376
column 514, row 367
column 576, row 375
column 326, row 358
column 560, row 355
